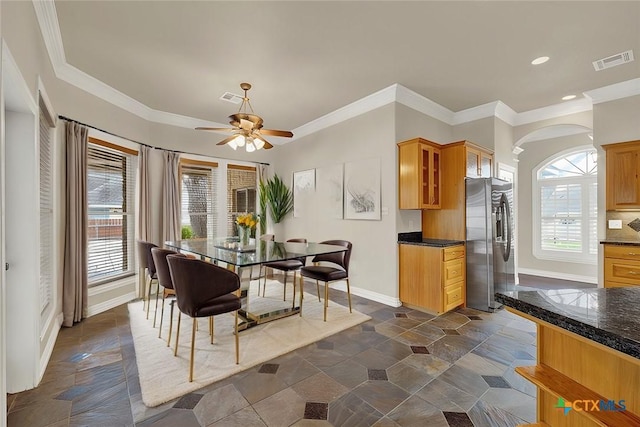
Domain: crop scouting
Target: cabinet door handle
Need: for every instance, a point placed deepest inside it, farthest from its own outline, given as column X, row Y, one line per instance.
column 632, row 253
column 633, row 273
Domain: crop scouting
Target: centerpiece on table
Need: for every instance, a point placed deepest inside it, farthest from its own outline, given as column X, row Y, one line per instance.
column 246, row 225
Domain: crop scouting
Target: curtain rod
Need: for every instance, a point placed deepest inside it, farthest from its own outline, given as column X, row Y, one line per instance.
column 147, row 145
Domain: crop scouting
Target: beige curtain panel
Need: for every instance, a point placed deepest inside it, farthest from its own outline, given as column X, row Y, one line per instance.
column 74, row 288
column 171, row 197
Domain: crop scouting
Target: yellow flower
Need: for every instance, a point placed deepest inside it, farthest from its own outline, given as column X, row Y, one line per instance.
column 247, row 220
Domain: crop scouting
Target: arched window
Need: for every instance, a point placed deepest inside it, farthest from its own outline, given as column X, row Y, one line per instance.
column 565, row 201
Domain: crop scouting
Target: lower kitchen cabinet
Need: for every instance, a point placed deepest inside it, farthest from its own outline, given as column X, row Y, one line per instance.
column 432, row 278
column 621, row 266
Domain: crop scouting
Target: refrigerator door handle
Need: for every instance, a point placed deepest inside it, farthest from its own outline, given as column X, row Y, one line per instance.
column 504, row 206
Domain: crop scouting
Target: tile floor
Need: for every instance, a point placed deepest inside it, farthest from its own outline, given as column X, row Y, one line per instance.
column 400, row 368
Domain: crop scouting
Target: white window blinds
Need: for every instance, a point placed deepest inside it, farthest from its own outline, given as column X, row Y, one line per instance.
column 241, row 194
column 199, row 207
column 111, row 222
column 46, row 213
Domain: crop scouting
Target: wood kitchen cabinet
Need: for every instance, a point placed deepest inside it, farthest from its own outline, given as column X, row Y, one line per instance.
column 621, row 266
column 623, row 177
column 479, row 162
column 432, row 278
column 458, row 160
column 419, row 168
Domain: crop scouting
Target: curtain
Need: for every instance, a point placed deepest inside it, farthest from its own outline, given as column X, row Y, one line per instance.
column 171, row 197
column 74, row 288
column 144, row 208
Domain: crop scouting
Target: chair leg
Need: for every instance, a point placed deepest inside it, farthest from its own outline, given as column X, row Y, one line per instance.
column 301, row 292
column 211, row 328
column 193, row 342
column 175, row 352
column 293, row 299
column 349, row 295
column 161, row 316
column 284, row 293
column 170, row 322
column 326, row 299
column 155, row 313
column 264, row 283
column 259, row 277
column 149, row 297
column 237, row 341
column 144, row 289
column 318, row 290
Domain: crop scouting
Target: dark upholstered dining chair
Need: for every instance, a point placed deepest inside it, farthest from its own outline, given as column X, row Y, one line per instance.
column 146, row 263
column 164, row 280
column 286, row 266
column 203, row 290
column 329, row 274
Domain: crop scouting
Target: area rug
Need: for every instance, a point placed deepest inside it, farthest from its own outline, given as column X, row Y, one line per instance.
column 164, row 377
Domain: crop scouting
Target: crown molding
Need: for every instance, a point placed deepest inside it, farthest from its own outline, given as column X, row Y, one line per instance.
column 48, row 21
column 614, row 91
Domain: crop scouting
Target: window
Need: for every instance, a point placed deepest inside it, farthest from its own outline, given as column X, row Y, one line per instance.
column 241, row 194
column 111, row 219
column 46, row 208
column 199, row 206
column 566, row 192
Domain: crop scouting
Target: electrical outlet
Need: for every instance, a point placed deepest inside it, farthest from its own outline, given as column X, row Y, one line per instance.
column 615, row 224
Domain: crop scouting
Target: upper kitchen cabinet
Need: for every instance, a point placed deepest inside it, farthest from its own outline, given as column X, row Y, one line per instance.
column 623, row 184
column 479, row 161
column 419, row 167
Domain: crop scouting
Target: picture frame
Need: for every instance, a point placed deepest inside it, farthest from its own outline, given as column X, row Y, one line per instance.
column 304, row 185
column 330, row 189
column 362, row 196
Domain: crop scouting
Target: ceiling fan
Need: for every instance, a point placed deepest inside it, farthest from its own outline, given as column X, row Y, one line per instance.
column 247, row 128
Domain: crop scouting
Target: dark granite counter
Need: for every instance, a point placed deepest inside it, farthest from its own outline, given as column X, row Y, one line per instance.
column 608, row 316
column 621, row 242
column 415, row 238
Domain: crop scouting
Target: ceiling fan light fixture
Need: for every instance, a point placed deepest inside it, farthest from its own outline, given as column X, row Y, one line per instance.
column 258, row 143
column 232, row 143
column 239, row 140
column 250, row 147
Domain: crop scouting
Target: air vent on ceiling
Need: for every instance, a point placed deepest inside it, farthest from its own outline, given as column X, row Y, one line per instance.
column 613, row 60
column 231, row 97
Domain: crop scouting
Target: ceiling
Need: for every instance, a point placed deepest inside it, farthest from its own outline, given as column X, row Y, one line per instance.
column 306, row 59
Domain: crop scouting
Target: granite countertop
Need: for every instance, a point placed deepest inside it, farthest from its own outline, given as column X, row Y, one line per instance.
column 415, row 238
column 621, row 242
column 608, row 316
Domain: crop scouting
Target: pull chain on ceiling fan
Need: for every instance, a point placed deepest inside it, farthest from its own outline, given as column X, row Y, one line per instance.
column 247, row 128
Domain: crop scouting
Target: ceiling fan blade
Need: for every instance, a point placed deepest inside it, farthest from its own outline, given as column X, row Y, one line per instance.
column 272, row 132
column 216, row 129
column 224, row 141
column 267, row 144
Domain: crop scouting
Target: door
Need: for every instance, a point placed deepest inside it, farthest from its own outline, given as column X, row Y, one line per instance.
column 503, row 236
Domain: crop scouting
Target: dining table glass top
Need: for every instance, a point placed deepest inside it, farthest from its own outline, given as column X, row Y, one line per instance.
column 228, row 250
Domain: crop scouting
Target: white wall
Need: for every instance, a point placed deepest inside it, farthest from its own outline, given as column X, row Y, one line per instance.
column 373, row 269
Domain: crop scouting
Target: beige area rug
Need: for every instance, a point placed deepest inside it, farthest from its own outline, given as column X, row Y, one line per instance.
column 164, row 377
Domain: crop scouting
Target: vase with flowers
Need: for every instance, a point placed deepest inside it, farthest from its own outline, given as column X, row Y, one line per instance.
column 246, row 226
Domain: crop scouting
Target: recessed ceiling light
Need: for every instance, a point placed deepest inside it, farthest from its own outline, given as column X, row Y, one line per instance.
column 568, row 97
column 540, row 60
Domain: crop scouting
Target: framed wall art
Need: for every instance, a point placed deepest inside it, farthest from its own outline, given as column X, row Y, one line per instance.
column 362, row 189
column 304, row 185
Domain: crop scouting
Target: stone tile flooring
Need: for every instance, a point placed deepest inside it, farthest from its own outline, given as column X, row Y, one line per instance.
column 401, row 368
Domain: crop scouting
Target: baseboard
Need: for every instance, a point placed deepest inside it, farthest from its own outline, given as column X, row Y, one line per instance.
column 556, row 275
column 365, row 293
column 48, row 348
column 108, row 305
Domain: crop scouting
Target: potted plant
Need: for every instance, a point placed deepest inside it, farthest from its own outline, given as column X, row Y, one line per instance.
column 279, row 198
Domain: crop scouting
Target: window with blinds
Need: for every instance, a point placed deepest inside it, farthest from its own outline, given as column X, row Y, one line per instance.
column 199, row 207
column 568, row 212
column 46, row 210
column 111, row 172
column 241, row 194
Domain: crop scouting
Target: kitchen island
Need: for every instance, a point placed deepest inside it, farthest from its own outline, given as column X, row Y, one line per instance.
column 588, row 354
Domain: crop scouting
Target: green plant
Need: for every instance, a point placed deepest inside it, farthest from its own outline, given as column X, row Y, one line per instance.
column 263, row 206
column 187, row 232
column 279, row 198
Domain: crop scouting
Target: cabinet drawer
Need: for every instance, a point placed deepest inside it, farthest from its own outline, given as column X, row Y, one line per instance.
column 622, row 251
column 453, row 252
column 453, row 271
column 452, row 297
column 617, row 270
column 610, row 284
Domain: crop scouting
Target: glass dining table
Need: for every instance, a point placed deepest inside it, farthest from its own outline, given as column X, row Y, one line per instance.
column 227, row 252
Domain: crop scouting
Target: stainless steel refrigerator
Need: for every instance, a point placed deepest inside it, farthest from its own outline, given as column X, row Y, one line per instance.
column 490, row 243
